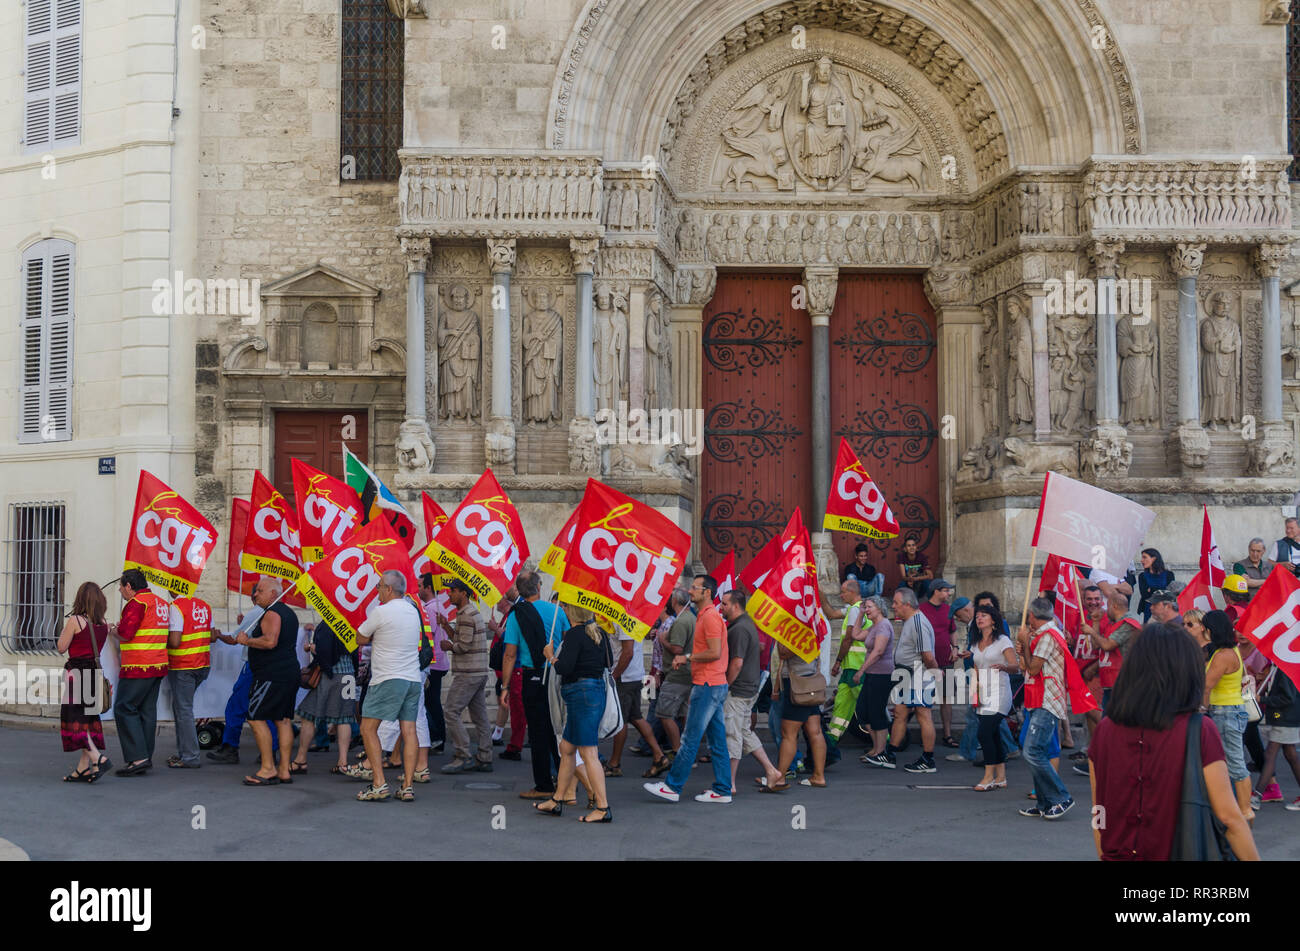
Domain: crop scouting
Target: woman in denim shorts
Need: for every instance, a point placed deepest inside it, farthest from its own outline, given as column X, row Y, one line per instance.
column 1223, row 673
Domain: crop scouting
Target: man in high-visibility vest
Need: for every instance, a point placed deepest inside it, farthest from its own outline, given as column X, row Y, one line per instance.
column 142, row 632
column 852, row 654
column 188, row 663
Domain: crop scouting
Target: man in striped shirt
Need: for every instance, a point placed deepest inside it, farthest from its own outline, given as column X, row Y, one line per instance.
column 1046, row 703
column 468, row 690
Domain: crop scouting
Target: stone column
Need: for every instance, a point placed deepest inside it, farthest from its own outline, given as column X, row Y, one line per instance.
column 1042, row 364
column 1107, row 453
column 821, row 283
column 693, row 288
column 1273, row 450
column 500, row 437
column 584, row 456
column 1193, row 442
column 415, row 449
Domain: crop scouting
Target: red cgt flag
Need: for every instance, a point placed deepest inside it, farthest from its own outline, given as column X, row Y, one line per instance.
column 1212, row 569
column 1197, row 595
column 271, row 537
column 237, row 580
column 725, row 576
column 856, row 504
column 344, row 585
column 1063, row 577
column 328, row 510
column 170, row 540
column 752, row 575
column 624, row 559
column 785, row 607
column 483, row 542
column 1272, row 621
column 434, row 518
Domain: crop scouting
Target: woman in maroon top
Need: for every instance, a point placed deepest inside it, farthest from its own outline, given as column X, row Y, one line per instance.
column 1135, row 759
column 81, row 730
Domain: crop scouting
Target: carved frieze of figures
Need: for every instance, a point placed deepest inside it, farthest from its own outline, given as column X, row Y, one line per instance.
column 1069, row 353
column 486, row 195
column 1139, row 393
column 460, row 352
column 1189, row 195
column 611, row 302
column 543, row 343
column 1220, row 336
column 1020, row 365
column 824, row 125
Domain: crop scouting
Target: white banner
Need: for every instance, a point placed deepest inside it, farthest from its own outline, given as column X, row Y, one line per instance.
column 1083, row 523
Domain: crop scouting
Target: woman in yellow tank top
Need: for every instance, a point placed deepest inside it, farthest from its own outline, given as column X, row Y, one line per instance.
column 1222, row 701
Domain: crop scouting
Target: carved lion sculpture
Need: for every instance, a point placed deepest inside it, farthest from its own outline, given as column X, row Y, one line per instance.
column 415, row 449
column 1029, row 458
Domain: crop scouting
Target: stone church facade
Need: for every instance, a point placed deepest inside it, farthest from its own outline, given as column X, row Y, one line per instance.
column 589, row 200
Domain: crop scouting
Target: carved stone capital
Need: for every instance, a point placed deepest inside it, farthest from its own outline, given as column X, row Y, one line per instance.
column 584, row 254
column 1193, row 445
column 417, row 252
column 415, row 450
column 1275, row 12
column 1106, row 453
column 1273, row 451
column 1105, row 256
column 408, row 9
column 501, row 255
column 948, row 286
column 1185, row 260
column 694, row 285
column 1269, row 258
column 821, row 283
column 828, row 566
column 499, row 442
column 584, row 452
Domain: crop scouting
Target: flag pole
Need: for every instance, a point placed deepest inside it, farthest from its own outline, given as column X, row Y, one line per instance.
column 1029, row 584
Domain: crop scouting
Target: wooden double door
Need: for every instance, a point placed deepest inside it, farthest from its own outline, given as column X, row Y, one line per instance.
column 757, row 379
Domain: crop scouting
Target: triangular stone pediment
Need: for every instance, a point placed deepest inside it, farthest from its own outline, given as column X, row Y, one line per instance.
column 319, row 280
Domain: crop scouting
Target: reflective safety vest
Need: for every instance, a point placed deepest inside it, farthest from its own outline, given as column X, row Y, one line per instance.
column 426, row 631
column 146, row 653
column 857, row 655
column 196, row 635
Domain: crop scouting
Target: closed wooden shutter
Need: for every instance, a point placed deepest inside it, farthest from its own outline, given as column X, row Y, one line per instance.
column 52, row 103
column 45, row 399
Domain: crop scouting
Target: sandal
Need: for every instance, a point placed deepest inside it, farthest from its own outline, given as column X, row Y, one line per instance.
column 339, row 770
column 949, row 742
column 421, row 775
column 658, row 768
column 358, row 772
column 80, row 775
column 406, row 794
column 779, row 787
column 613, row 771
column 374, row 794
column 809, row 782
column 558, row 810
column 607, row 817
column 296, row 767
column 982, row 787
column 256, row 780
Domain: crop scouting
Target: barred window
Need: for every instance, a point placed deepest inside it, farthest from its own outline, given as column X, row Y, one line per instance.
column 371, row 115
column 1293, row 89
column 34, row 577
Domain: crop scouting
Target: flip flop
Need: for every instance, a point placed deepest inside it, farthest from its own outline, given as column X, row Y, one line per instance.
column 256, row 780
column 295, row 768
column 809, row 782
column 287, row 782
column 782, row 787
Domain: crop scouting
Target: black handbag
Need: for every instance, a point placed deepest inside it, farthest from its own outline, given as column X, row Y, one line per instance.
column 1199, row 835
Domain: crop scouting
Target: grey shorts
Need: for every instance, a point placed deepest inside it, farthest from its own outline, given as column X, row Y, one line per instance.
column 393, row 700
column 672, row 701
column 1282, row 735
column 741, row 739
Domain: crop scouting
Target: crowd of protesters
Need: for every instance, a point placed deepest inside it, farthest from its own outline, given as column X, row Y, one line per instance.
column 711, row 675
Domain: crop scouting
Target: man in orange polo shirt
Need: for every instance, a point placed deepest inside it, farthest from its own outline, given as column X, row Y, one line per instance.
column 142, row 633
column 706, row 715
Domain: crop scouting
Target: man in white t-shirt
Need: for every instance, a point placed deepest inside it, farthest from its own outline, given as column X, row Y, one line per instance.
column 392, row 629
column 629, row 672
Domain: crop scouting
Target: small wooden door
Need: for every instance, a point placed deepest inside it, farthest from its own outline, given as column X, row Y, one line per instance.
column 316, row 437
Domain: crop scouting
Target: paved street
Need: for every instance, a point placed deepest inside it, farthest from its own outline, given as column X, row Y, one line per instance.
column 865, row 813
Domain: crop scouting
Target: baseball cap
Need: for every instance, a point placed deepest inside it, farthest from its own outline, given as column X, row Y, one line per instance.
column 1236, row 584
column 1167, row 597
column 938, row 584
column 959, row 604
column 455, row 584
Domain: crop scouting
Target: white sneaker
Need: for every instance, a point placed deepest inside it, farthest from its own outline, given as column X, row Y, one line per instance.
column 956, row 758
column 662, row 791
column 1294, row 805
column 710, row 796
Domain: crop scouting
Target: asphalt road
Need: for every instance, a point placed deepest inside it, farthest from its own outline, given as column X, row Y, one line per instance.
column 865, row 813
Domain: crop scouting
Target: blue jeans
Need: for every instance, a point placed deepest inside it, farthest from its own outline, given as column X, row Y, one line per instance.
column 970, row 738
column 1048, row 788
column 1232, row 721
column 705, row 716
column 237, row 711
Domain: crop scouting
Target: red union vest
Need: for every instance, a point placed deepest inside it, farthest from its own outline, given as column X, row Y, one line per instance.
column 145, row 655
column 1109, row 662
column 196, row 635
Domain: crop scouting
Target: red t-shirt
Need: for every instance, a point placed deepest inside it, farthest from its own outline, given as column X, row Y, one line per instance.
column 709, row 624
column 941, row 620
column 1139, row 784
